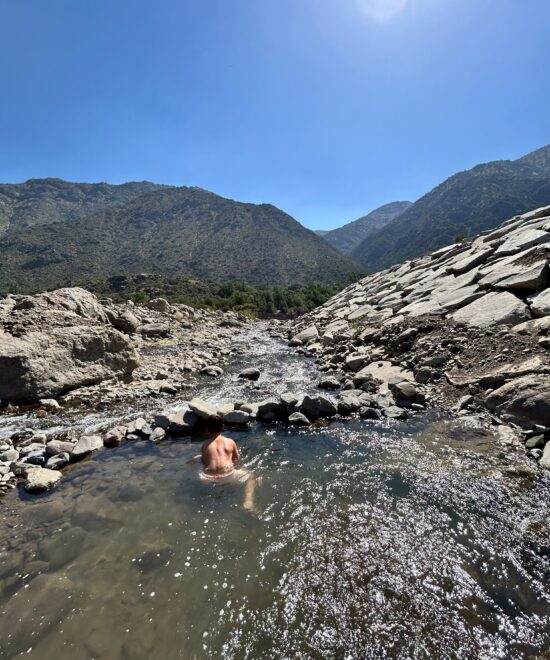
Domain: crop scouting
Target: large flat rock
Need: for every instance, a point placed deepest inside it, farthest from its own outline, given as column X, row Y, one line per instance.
column 524, row 401
column 540, row 304
column 42, row 365
column 494, row 308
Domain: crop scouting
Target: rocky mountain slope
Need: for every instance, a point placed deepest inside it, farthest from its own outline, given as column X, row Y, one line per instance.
column 172, row 231
column 347, row 238
column 43, row 201
column 467, row 326
column 464, row 205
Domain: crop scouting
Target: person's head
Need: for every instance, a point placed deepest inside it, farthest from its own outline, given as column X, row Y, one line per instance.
column 214, row 425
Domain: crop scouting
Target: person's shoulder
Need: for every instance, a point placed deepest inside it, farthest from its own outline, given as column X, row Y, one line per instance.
column 229, row 440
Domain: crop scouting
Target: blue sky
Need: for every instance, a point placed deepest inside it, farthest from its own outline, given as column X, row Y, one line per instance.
column 325, row 108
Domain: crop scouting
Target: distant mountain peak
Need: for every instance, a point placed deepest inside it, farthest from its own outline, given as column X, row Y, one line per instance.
column 345, row 239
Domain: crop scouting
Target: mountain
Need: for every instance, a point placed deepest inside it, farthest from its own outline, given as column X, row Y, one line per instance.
column 347, row 238
column 321, row 232
column 43, row 201
column 180, row 232
column 464, row 205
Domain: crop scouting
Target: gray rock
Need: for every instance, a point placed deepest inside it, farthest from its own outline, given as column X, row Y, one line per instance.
column 522, row 239
column 9, row 455
column 58, row 461
column 44, row 364
column 298, row 419
column 268, row 407
column 319, row 406
column 159, row 305
column 182, row 423
column 59, row 447
column 202, row 409
column 470, row 261
column 237, row 417
column 126, row 322
column 49, row 404
column 535, row 442
column 540, row 304
column 212, row 370
column 305, row 336
column 158, row 434
column 355, row 361
column 493, row 309
column 545, row 458
column 41, row 479
column 404, row 391
column 115, row 436
column 393, row 412
column 250, row 374
column 348, row 403
column 366, row 412
column 531, row 279
column 289, row 400
column 86, row 445
column 329, row 383
column 162, row 420
column 524, row 401
column 154, row 330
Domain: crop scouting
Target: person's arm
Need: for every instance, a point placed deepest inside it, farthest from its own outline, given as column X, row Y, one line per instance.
column 235, row 456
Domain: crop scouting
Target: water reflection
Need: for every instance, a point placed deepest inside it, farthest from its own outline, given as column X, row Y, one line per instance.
column 370, row 541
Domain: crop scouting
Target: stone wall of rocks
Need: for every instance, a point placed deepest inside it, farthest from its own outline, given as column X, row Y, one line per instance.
column 466, row 327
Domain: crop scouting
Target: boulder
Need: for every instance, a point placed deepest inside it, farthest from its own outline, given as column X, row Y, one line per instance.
column 159, row 305
column 319, row 406
column 51, row 405
column 522, row 239
column 237, row 417
column 59, row 447
column 306, row 335
column 298, row 419
column 545, row 458
column 533, row 278
column 126, row 322
column 250, row 374
column 44, row 364
column 182, row 423
column 72, row 299
column 41, row 479
column 202, row 409
column 212, row 370
column 115, row 436
column 57, row 462
column 157, row 434
column 154, row 330
column 495, row 308
column 329, row 383
column 524, row 401
column 86, row 445
column 289, row 400
column 540, row 304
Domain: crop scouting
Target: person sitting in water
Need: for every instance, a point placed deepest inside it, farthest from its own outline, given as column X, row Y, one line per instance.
column 219, row 456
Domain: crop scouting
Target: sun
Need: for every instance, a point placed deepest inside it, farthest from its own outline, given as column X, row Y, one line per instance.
column 381, row 10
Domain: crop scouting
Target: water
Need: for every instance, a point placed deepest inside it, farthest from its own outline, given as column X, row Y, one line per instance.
column 399, row 540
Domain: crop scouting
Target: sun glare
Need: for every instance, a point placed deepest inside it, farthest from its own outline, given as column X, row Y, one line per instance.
column 381, row 10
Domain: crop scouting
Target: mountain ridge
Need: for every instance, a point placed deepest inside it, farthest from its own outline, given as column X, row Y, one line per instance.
column 177, row 231
column 465, row 204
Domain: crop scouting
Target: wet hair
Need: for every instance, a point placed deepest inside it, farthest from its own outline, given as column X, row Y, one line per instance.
column 214, row 424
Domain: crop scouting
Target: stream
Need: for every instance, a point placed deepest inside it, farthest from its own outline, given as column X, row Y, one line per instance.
column 417, row 539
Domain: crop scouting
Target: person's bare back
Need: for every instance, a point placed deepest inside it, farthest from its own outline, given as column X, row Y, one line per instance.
column 219, row 455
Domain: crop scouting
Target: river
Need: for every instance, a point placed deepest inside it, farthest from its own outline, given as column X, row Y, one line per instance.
column 416, row 539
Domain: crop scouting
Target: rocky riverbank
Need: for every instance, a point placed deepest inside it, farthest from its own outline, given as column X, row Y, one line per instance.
column 465, row 328
column 65, row 351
